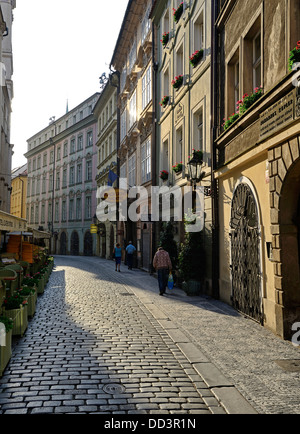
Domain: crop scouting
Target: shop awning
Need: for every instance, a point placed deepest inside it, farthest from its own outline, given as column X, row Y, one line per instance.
column 39, row 234
column 10, row 223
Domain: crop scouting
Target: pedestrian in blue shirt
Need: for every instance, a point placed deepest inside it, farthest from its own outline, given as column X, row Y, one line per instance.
column 118, row 256
column 130, row 249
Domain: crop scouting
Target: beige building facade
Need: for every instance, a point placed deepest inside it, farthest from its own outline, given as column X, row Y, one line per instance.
column 19, row 191
column 258, row 169
column 184, row 120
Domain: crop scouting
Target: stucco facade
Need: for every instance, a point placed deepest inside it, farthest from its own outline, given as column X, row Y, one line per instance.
column 61, row 192
column 258, row 162
column 19, row 192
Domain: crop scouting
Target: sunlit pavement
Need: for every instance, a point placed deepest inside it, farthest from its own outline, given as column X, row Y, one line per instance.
column 106, row 342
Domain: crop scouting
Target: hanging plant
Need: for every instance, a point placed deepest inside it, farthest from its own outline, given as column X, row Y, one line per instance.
column 178, row 12
column 294, row 56
column 164, row 102
column 196, row 57
column 164, row 175
column 177, row 82
column 165, row 39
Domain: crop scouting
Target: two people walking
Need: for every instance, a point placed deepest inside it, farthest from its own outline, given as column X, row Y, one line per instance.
column 130, row 249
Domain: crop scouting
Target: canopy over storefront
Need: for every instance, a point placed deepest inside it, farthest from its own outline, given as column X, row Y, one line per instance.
column 10, row 223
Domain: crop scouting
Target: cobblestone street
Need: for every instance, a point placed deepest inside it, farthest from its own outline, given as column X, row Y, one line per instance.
column 106, row 342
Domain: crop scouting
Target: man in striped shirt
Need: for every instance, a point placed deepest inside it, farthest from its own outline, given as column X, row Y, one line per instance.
column 162, row 263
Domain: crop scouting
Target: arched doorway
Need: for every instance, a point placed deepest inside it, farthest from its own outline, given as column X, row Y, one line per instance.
column 74, row 244
column 245, row 253
column 88, row 244
column 63, row 244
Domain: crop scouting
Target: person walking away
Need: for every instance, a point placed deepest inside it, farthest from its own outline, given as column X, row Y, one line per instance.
column 118, row 256
column 130, row 249
column 162, row 263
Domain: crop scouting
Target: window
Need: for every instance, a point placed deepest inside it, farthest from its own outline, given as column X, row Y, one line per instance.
column 237, row 82
column 80, row 143
column 64, row 178
column 37, row 209
column 50, row 186
column 71, row 209
column 49, row 212
column 179, row 145
column 65, row 149
column 179, row 62
column 131, row 171
column 39, row 162
column 63, row 211
column 132, row 56
column 132, row 110
column 51, row 157
column 38, row 185
column 58, row 180
column 123, row 177
column 233, row 83
column 58, row 156
column 72, row 175
column 78, row 208
column 123, row 125
column 44, row 183
column 43, row 214
column 90, row 138
column 88, row 207
column 166, row 83
column 89, row 170
column 56, row 212
column 257, row 61
column 32, row 187
column 198, row 40
column 146, row 88
column 45, row 159
column 72, row 147
column 146, row 24
column 146, row 161
column 79, row 173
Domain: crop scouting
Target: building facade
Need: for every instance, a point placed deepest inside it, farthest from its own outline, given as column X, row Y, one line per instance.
column 61, row 192
column 19, row 191
column 6, row 96
column 258, row 163
column 106, row 113
column 183, row 102
column 132, row 59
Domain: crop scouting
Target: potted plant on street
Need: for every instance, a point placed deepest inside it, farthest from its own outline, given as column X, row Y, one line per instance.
column 6, row 326
column 15, row 307
column 28, row 293
column 191, row 261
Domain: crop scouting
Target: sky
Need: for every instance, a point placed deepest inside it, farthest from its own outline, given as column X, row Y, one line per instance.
column 60, row 49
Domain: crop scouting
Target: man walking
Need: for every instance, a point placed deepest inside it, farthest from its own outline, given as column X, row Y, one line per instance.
column 130, row 249
column 162, row 263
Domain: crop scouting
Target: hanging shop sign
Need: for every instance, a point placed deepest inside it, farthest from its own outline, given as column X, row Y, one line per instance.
column 9, row 222
column 279, row 115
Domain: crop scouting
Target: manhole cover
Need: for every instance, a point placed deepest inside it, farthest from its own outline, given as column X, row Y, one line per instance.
column 113, row 389
column 289, row 365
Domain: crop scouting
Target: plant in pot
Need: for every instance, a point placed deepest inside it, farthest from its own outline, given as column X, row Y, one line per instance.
column 165, row 39
column 177, row 167
column 177, row 82
column 164, row 175
column 178, row 12
column 196, row 57
column 29, row 293
column 6, row 326
column 165, row 101
column 15, row 307
column 191, row 261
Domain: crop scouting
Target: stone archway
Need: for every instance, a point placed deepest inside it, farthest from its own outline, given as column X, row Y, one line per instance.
column 285, row 218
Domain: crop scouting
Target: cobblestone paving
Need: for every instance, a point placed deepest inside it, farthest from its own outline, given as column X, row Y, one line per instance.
column 94, row 347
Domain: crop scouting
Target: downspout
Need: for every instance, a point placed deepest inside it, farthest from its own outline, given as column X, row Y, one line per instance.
column 214, row 182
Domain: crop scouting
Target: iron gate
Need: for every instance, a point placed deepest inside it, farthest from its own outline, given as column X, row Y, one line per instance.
column 245, row 241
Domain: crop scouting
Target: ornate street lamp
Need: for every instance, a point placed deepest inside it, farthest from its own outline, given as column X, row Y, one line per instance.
column 195, row 171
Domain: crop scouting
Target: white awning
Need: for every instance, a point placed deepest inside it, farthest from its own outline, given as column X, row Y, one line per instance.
column 10, row 223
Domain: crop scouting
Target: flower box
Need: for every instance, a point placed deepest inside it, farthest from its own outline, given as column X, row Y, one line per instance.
column 178, row 12
column 164, row 175
column 30, row 295
column 165, row 39
column 177, row 82
column 196, row 57
column 20, row 319
column 165, row 101
column 294, row 56
column 5, row 352
column 177, row 168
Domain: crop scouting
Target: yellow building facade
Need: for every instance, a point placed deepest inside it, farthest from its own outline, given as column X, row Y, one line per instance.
column 19, row 192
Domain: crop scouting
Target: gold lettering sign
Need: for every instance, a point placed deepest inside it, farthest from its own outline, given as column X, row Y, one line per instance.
column 278, row 115
column 11, row 223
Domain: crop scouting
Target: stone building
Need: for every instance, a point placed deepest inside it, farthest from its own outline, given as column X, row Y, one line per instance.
column 183, row 51
column 258, row 161
column 61, row 192
column 132, row 59
column 6, row 96
column 19, row 191
column 106, row 114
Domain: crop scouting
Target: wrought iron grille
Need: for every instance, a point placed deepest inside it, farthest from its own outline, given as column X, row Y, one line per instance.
column 245, row 267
